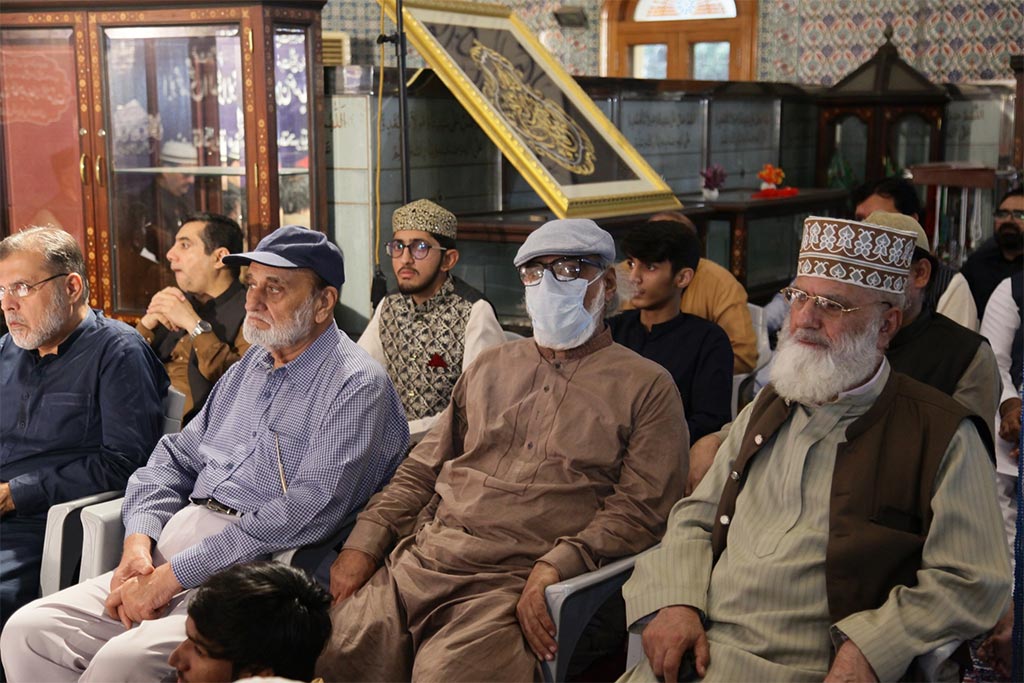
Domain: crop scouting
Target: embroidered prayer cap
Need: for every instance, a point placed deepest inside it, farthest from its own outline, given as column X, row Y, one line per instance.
column 862, row 254
column 293, row 246
column 567, row 237
column 425, row 215
column 902, row 222
column 177, row 153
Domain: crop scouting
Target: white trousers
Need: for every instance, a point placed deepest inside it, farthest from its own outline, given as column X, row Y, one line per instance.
column 67, row 636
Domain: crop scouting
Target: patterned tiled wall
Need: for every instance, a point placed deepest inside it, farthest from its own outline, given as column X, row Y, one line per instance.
column 820, row 41
column 801, row 41
column 577, row 49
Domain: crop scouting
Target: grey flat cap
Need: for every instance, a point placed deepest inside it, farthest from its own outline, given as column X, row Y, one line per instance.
column 567, row 237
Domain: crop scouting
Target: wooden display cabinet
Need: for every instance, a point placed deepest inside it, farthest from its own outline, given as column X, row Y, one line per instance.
column 119, row 118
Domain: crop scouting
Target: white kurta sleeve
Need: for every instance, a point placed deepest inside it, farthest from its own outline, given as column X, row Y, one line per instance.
column 1002, row 318
column 482, row 331
column 369, row 341
column 957, row 303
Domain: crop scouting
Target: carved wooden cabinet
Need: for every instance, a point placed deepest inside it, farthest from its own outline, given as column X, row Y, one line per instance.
column 117, row 119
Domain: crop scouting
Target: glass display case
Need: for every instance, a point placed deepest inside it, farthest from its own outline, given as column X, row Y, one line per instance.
column 116, row 123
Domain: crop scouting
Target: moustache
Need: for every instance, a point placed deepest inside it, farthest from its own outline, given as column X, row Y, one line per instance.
column 811, row 337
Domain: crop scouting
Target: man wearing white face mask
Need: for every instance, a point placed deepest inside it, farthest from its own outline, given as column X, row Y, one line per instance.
column 556, row 455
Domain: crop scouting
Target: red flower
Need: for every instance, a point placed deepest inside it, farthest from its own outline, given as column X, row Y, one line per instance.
column 436, row 362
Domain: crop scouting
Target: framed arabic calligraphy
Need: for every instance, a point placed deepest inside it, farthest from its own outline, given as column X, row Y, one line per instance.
column 541, row 120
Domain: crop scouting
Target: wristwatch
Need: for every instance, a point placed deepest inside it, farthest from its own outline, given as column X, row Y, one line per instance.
column 201, row 326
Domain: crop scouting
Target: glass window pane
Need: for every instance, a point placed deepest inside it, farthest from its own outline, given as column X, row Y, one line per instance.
column 650, row 61
column 176, row 136
column 913, row 142
column 39, row 118
column 684, row 10
column 293, row 117
column 848, row 165
column 711, row 61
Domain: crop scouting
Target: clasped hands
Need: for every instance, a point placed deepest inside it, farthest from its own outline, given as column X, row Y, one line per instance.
column 170, row 308
column 138, row 590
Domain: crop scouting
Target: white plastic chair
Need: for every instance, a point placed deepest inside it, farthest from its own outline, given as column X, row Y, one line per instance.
column 764, row 354
column 572, row 604
column 64, row 536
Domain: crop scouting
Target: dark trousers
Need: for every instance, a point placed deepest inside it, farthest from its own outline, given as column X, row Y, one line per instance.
column 21, row 554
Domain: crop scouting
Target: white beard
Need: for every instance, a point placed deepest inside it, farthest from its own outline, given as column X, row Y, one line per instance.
column 47, row 328
column 283, row 335
column 814, row 376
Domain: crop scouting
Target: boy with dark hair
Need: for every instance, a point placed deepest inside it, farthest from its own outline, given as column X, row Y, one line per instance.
column 255, row 619
column 196, row 327
column 661, row 257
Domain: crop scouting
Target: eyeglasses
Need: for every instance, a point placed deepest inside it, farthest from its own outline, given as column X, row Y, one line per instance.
column 798, row 297
column 20, row 290
column 1016, row 214
column 418, row 248
column 564, row 270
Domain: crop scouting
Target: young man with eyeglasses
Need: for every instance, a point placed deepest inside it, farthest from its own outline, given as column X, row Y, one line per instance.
column 1000, row 256
column 848, row 524
column 295, row 436
column 435, row 325
column 81, row 407
column 556, row 454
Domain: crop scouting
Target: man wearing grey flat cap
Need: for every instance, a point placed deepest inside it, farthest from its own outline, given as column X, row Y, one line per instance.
column 295, row 435
column 555, row 455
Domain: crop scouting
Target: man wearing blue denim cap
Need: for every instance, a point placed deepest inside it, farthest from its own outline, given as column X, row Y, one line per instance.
column 295, row 435
column 555, row 455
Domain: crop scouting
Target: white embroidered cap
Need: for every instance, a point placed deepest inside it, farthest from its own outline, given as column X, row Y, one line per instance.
column 862, row 254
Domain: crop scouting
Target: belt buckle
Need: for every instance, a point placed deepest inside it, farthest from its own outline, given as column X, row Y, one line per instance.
column 217, row 507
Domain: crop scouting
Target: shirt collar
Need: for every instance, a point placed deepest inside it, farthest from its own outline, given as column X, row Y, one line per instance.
column 595, row 343
column 217, row 301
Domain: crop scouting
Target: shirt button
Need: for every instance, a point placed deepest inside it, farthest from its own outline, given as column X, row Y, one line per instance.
column 734, row 475
column 254, row 433
column 529, row 446
column 758, row 439
column 547, row 388
column 558, row 366
column 724, row 519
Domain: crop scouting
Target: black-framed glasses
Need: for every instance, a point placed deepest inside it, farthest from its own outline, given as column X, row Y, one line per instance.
column 798, row 297
column 20, row 290
column 563, row 270
column 418, row 248
column 1016, row 214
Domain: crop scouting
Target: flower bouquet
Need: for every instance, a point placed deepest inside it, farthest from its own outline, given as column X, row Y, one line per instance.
column 714, row 178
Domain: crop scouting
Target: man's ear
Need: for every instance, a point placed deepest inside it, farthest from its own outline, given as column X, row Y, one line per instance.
column 684, row 277
column 892, row 318
column 75, row 288
column 921, row 272
column 325, row 306
column 611, row 283
column 220, row 253
column 449, row 259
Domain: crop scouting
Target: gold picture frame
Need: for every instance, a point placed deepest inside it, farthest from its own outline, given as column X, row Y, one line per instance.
column 537, row 115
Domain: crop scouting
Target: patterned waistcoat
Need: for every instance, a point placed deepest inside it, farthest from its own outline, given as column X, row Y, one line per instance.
column 424, row 344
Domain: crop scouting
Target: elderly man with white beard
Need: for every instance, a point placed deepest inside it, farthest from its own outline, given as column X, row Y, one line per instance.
column 295, row 435
column 554, row 456
column 848, row 523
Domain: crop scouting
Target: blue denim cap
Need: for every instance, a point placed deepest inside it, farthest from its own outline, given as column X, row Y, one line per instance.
column 567, row 237
column 293, row 246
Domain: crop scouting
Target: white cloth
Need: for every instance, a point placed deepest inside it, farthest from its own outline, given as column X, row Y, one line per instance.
column 1002, row 318
column 68, row 637
column 957, row 303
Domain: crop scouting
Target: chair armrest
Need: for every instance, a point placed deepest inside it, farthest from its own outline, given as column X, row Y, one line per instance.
column 102, row 538
column 572, row 604
column 62, row 544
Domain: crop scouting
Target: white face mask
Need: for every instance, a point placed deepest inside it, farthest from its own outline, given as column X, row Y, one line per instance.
column 560, row 319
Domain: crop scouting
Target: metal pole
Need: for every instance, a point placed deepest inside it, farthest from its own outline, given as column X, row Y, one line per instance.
column 403, row 111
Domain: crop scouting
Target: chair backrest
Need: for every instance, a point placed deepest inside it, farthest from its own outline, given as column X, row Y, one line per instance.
column 174, row 409
column 764, row 347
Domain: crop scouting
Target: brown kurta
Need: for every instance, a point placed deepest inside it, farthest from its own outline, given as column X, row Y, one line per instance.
column 572, row 458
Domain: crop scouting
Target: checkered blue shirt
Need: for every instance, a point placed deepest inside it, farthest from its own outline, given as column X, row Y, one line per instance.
column 341, row 431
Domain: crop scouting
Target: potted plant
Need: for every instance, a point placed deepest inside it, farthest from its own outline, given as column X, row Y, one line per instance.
column 714, row 178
